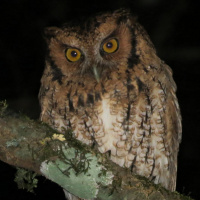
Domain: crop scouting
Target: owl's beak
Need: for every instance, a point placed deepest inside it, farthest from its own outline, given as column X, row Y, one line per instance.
column 96, row 73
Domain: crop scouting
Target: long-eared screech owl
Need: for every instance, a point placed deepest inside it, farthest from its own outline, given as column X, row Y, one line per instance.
column 104, row 80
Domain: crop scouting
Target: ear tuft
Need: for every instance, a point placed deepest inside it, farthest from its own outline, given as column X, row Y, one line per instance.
column 50, row 32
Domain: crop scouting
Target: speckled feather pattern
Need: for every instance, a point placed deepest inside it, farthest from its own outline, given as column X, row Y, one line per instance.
column 132, row 112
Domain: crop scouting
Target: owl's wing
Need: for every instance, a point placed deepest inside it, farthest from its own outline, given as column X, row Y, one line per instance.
column 156, row 119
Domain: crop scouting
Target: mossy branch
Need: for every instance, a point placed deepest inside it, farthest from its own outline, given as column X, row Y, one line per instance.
column 76, row 167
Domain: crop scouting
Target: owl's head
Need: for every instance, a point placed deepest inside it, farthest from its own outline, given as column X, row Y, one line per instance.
column 93, row 48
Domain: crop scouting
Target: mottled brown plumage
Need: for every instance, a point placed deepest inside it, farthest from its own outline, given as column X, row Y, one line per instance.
column 124, row 102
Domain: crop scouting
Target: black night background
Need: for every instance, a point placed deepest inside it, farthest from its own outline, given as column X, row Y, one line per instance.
column 173, row 27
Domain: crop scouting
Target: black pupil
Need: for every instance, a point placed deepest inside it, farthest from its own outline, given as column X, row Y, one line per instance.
column 73, row 53
column 109, row 45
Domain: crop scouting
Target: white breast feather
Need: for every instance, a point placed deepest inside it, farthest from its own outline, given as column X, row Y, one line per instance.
column 110, row 136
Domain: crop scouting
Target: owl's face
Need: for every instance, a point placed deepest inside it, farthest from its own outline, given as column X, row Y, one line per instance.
column 91, row 50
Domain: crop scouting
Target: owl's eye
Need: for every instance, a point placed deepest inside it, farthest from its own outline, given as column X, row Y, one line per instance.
column 110, row 46
column 73, row 54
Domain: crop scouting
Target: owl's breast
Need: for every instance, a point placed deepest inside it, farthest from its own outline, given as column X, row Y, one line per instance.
column 103, row 123
column 120, row 117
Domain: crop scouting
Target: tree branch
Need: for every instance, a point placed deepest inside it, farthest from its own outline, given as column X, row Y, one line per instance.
column 77, row 168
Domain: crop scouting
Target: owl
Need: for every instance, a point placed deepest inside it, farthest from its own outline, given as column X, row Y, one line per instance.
column 104, row 80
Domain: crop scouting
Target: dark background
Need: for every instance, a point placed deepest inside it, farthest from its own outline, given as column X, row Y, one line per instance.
column 174, row 29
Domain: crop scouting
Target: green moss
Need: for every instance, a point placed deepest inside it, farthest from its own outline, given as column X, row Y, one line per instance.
column 73, row 142
column 26, row 179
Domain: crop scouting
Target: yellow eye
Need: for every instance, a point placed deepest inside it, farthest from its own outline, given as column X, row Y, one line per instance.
column 110, row 46
column 73, row 54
